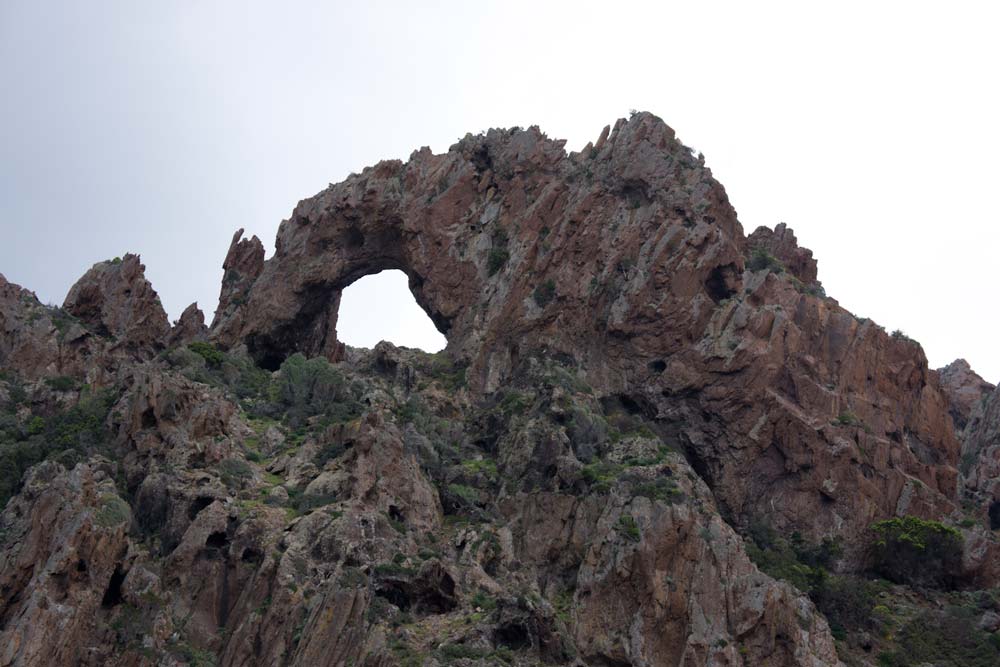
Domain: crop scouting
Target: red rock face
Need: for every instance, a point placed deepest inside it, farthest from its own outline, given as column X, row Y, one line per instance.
column 782, row 244
column 964, row 388
column 114, row 299
column 629, row 382
column 628, row 259
column 189, row 328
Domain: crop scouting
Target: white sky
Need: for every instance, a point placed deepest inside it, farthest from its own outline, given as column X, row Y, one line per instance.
column 160, row 128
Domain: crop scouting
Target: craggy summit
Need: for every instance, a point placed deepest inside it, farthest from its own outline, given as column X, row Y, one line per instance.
column 651, row 440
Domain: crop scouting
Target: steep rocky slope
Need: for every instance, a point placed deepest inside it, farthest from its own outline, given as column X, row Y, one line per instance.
column 643, row 422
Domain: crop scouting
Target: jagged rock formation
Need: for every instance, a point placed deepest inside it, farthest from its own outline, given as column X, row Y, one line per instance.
column 627, row 259
column 965, row 390
column 189, row 328
column 631, row 388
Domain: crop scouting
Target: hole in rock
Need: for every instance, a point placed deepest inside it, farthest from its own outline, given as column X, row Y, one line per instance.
column 723, row 282
column 252, row 556
column 217, row 540
column 513, row 636
column 113, row 594
column 381, row 307
column 995, row 515
column 200, row 503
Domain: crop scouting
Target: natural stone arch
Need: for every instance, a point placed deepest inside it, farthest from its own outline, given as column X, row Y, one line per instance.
column 510, row 245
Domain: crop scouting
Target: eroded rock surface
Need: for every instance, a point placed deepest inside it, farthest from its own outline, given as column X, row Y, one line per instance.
column 628, row 259
column 632, row 388
column 116, row 300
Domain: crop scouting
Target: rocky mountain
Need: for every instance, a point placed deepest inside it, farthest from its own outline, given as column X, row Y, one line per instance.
column 651, row 440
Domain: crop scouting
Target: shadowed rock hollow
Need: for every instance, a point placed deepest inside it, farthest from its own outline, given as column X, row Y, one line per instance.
column 638, row 406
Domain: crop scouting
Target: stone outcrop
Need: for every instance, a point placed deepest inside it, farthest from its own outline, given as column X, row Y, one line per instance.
column 65, row 537
column 189, row 328
column 28, row 338
column 965, row 390
column 241, row 268
column 115, row 300
column 782, row 244
column 629, row 259
column 631, row 386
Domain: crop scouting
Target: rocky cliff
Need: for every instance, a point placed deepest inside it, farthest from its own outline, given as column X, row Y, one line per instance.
column 651, row 440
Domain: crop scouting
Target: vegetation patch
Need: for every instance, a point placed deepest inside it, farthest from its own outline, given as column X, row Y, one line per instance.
column 113, row 511
column 919, row 552
column 628, row 528
column 66, row 436
column 544, row 293
column 762, row 260
column 948, row 638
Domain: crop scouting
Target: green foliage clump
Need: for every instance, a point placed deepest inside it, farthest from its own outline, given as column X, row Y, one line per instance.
column 497, row 260
column 544, row 293
column 61, row 383
column 442, row 368
column 205, row 363
column 846, row 418
column 212, row 355
column 910, row 550
column 794, row 560
column 466, row 493
column 453, row 652
column 65, row 436
column 485, row 467
column 663, row 489
column 234, row 472
column 112, row 512
column 601, row 475
column 898, row 334
column 761, row 260
column 848, row 602
column 628, row 528
column 498, row 252
column 514, row 403
column 948, row 638
column 311, row 387
column 484, row 601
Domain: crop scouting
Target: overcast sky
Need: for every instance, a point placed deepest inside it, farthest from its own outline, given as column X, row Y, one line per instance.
column 161, row 127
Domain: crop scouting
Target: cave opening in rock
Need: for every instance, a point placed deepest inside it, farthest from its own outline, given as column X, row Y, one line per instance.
column 379, row 307
column 994, row 512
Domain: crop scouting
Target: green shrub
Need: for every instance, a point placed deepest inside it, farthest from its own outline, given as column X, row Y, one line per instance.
column 65, row 436
column 445, row 370
column 914, row 551
column 663, row 489
column 628, row 528
column 466, row 493
column 61, row 383
column 601, row 475
column 761, row 260
column 792, row 559
column 484, row 601
column 544, row 293
column 452, row 652
column 498, row 252
column 306, row 388
column 847, row 418
column 234, row 472
column 212, row 355
column 948, row 638
column 497, row 260
column 848, row 602
column 112, row 512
